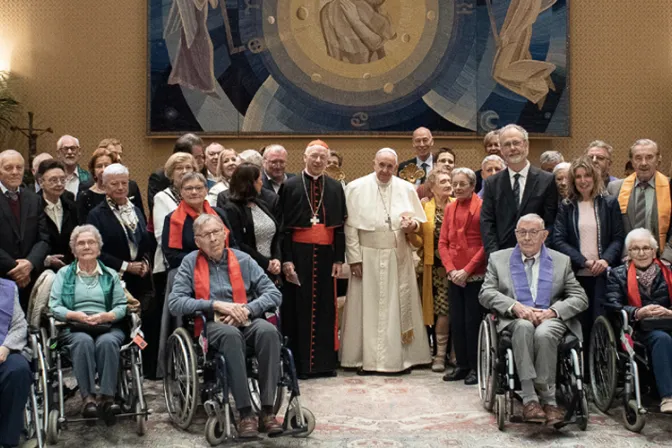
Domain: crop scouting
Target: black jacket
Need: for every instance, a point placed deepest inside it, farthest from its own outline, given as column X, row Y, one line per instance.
column 610, row 231
column 59, row 242
column 28, row 238
column 266, row 182
column 268, row 197
column 242, row 228
column 500, row 212
column 158, row 181
column 89, row 199
column 617, row 291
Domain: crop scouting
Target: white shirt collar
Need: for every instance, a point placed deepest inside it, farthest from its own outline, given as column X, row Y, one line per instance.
column 535, row 256
column 273, row 181
column 310, row 175
column 211, row 176
column 523, row 173
column 5, row 189
column 95, row 271
column 429, row 161
column 651, row 182
column 49, row 203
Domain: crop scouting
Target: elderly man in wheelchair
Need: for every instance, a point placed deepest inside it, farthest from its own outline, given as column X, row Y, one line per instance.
column 536, row 298
column 642, row 287
column 229, row 286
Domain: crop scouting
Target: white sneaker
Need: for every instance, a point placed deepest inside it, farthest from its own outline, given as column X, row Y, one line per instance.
column 666, row 405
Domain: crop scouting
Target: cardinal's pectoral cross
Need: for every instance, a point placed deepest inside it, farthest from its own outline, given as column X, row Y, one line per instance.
column 389, row 222
column 314, row 220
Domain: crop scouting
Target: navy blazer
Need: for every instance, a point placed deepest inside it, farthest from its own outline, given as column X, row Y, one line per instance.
column 115, row 248
column 174, row 256
column 59, row 242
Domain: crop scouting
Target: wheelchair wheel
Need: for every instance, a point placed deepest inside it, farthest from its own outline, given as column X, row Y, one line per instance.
column 140, row 420
column 500, row 411
column 181, row 383
column 487, row 377
column 293, row 423
column 215, row 432
column 602, row 362
column 53, row 429
column 632, row 419
column 255, row 396
column 582, row 421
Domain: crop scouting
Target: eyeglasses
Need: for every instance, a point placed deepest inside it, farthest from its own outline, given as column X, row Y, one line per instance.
column 69, row 148
column 208, row 235
column 640, row 250
column 599, row 158
column 193, row 189
column 531, row 233
column 55, row 181
column 513, row 144
column 84, row 243
column 276, row 162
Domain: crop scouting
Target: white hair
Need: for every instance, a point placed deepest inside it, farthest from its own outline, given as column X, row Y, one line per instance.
column 251, row 156
column 9, row 153
column 640, row 233
column 214, row 145
column 644, row 142
column 314, row 147
column 274, row 148
column 59, row 143
column 388, row 151
column 493, row 158
column 85, row 228
column 532, row 217
column 116, row 169
column 203, row 220
column 551, row 157
column 41, row 157
column 561, row 166
column 520, row 129
column 471, row 176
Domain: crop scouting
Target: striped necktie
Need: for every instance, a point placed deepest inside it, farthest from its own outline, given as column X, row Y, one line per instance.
column 640, row 205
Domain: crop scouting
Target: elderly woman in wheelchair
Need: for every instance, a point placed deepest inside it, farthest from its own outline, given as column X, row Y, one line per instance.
column 641, row 290
column 535, row 298
column 89, row 297
column 217, row 282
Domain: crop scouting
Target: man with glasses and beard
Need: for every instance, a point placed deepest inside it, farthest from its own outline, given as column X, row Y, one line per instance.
column 518, row 190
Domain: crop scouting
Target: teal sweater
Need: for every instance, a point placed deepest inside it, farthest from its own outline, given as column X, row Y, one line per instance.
column 89, row 301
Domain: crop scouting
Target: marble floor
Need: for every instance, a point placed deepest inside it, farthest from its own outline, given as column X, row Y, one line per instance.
column 416, row 410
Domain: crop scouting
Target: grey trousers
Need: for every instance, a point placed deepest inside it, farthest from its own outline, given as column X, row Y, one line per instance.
column 535, row 350
column 232, row 342
column 95, row 355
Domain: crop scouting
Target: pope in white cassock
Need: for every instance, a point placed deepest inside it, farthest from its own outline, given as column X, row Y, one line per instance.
column 382, row 328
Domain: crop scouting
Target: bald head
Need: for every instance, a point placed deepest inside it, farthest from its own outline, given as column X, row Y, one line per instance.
column 422, row 143
column 11, row 169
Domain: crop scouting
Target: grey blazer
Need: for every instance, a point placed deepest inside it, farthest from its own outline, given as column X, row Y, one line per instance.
column 613, row 189
column 568, row 297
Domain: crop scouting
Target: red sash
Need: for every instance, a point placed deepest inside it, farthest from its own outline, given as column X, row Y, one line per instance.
column 317, row 234
column 634, row 299
column 177, row 223
column 202, row 282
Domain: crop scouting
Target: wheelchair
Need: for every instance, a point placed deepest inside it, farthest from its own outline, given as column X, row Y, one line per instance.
column 37, row 408
column 620, row 367
column 193, row 373
column 53, row 359
column 498, row 382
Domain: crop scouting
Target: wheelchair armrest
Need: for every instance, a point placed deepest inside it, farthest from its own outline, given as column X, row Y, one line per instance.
column 612, row 307
column 136, row 322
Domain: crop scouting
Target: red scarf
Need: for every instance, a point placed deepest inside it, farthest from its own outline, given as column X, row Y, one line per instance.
column 177, row 223
column 634, row 299
column 202, row 282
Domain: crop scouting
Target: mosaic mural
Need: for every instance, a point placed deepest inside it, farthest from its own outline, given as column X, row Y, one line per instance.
column 357, row 66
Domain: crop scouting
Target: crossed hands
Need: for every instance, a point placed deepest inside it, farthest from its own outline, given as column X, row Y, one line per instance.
column 653, row 311
column 534, row 315
column 93, row 319
column 21, row 272
column 597, row 267
column 459, row 277
column 236, row 314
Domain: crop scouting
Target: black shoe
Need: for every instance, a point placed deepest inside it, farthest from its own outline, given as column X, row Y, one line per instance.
column 471, row 379
column 458, row 374
column 90, row 410
column 111, row 408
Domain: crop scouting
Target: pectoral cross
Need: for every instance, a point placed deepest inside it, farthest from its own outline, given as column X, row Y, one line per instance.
column 389, row 222
column 314, row 220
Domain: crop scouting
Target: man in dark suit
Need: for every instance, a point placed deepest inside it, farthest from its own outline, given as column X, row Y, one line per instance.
column 158, row 181
column 61, row 210
column 514, row 192
column 422, row 143
column 25, row 240
column 68, row 152
column 273, row 174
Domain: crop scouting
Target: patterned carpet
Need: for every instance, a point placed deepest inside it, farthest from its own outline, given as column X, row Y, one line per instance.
column 384, row 412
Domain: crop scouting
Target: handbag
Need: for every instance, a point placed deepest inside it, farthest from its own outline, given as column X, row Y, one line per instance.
column 91, row 330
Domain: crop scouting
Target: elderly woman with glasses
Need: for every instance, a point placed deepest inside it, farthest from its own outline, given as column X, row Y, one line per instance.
column 643, row 287
column 589, row 230
column 89, row 296
column 177, row 239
